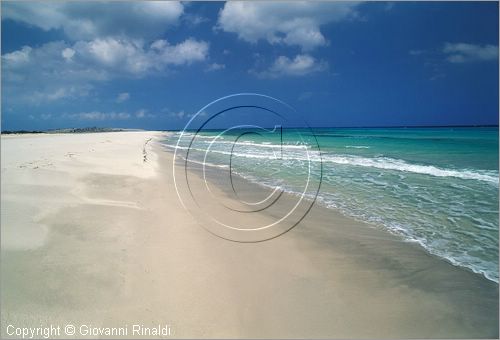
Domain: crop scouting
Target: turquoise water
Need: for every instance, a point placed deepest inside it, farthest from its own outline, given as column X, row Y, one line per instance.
column 434, row 186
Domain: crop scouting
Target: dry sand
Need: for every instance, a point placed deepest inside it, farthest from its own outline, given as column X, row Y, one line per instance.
column 94, row 234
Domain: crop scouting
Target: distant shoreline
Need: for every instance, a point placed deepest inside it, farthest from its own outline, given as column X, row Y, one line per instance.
column 70, row 130
column 366, row 127
column 99, row 129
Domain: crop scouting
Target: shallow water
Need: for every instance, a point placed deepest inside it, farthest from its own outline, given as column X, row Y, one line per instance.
column 435, row 186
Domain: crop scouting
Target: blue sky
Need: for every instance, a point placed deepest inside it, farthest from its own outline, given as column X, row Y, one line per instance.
column 152, row 65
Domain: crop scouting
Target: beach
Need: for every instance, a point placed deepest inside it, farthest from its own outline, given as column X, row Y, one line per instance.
column 94, row 234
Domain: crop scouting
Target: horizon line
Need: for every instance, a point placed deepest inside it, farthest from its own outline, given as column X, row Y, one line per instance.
column 296, row 127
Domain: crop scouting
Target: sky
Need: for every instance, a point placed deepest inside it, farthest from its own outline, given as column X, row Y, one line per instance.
column 152, row 65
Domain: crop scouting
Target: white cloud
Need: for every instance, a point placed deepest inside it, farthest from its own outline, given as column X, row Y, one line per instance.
column 194, row 20
column 186, row 52
column 143, row 113
column 179, row 115
column 301, row 65
column 59, row 93
column 101, row 116
column 215, row 67
column 43, row 74
column 417, row 52
column 133, row 57
column 140, row 113
column 51, row 94
column 122, row 97
column 97, row 115
column 290, row 23
column 463, row 52
column 60, row 70
column 18, row 58
column 105, row 41
column 90, row 19
column 68, row 53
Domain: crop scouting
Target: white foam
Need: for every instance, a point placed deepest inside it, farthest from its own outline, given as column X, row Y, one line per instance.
column 386, row 163
column 400, row 165
column 265, row 145
column 458, row 253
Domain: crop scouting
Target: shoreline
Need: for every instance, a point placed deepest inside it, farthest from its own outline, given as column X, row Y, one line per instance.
column 434, row 272
column 120, row 248
column 384, row 229
column 381, row 228
column 250, row 185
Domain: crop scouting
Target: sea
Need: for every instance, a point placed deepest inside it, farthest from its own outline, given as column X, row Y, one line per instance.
column 438, row 187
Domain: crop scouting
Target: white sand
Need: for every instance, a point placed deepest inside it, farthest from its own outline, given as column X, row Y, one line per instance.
column 41, row 174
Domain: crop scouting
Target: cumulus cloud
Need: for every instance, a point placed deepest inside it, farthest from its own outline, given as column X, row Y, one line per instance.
column 98, row 116
column 141, row 113
column 89, row 19
column 102, row 42
column 293, row 23
column 59, row 70
column 68, row 53
column 179, row 114
column 301, row 65
column 215, row 67
column 122, row 97
column 101, row 116
column 61, row 92
column 417, row 52
column 463, row 52
column 18, row 58
column 186, row 52
column 129, row 56
column 194, row 20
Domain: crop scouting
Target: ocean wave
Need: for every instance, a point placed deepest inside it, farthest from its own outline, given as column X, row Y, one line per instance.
column 400, row 137
column 265, row 145
column 459, row 256
column 464, row 214
column 387, row 163
column 384, row 163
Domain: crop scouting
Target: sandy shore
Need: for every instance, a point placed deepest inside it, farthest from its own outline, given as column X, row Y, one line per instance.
column 93, row 234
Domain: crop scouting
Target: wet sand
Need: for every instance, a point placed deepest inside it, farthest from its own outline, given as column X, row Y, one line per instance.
column 94, row 235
